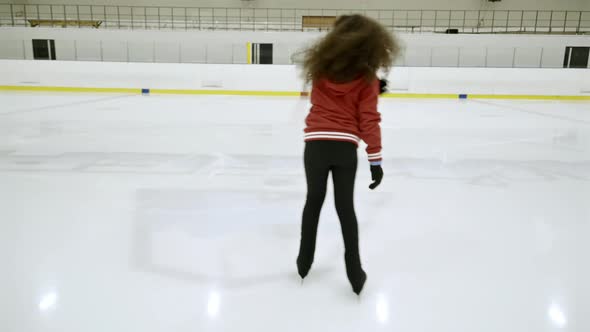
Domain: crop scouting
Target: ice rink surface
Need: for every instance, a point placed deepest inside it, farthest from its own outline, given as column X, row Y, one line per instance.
column 181, row 213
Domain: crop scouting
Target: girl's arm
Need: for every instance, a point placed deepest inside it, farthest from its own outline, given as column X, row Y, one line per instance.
column 370, row 120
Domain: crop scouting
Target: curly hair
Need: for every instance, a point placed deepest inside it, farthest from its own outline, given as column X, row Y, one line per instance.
column 357, row 46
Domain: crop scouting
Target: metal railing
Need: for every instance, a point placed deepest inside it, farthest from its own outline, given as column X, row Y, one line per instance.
column 283, row 19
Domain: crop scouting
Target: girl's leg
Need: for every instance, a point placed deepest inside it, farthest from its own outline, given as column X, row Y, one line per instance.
column 317, row 171
column 344, row 176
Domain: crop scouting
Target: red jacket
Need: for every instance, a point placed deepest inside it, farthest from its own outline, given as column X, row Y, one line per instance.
column 346, row 112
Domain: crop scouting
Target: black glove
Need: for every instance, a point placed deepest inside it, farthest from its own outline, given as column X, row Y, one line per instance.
column 382, row 86
column 376, row 176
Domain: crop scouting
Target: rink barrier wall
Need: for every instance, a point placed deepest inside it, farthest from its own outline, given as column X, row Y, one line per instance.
column 279, row 81
column 146, row 91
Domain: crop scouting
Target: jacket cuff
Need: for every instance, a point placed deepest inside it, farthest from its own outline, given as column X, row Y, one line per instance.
column 375, row 157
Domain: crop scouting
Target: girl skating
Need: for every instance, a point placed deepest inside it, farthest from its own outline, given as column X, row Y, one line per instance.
column 342, row 68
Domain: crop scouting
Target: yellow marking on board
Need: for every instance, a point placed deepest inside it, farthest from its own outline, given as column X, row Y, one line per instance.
column 281, row 93
column 249, row 53
column 68, row 89
column 420, row 95
column 528, row 97
column 225, row 92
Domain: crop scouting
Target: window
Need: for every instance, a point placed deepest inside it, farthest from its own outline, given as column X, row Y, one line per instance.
column 576, row 57
column 262, row 54
column 43, row 49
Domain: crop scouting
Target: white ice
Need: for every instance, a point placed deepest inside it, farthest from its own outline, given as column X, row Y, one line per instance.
column 181, row 213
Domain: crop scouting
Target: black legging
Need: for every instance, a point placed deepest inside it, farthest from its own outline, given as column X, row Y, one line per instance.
column 340, row 158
